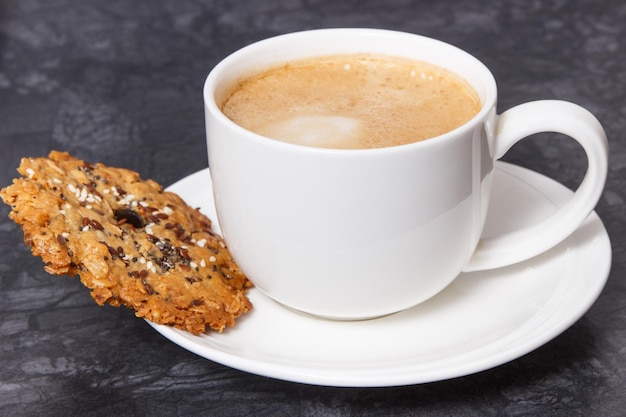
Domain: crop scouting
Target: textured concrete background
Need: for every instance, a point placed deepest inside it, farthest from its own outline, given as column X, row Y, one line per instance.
column 120, row 81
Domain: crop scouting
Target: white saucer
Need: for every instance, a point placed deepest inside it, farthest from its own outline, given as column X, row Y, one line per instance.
column 483, row 319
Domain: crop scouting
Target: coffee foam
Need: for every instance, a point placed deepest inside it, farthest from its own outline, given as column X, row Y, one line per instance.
column 314, row 130
column 352, row 101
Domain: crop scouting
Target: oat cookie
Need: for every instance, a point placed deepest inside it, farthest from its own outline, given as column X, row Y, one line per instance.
column 131, row 242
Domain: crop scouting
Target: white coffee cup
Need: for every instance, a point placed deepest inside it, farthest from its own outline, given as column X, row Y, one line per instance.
column 354, row 234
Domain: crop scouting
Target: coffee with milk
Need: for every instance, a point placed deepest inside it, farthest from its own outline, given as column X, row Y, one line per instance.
column 352, row 102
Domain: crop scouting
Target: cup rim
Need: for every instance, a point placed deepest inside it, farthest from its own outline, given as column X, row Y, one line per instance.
column 212, row 82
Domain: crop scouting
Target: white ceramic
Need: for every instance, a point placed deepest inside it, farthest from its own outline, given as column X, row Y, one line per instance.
column 481, row 320
column 352, row 234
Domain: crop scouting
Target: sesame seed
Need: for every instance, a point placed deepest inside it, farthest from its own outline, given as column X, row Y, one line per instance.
column 56, row 181
column 201, row 243
column 71, row 188
column 193, row 264
column 168, row 210
column 30, row 172
column 212, row 259
column 202, row 263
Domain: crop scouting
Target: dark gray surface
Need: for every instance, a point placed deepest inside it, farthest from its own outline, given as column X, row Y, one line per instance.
column 120, row 82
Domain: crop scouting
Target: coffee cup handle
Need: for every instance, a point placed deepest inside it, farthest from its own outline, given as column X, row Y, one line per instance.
column 518, row 123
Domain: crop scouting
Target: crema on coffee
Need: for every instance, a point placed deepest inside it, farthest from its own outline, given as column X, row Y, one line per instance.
column 352, row 102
